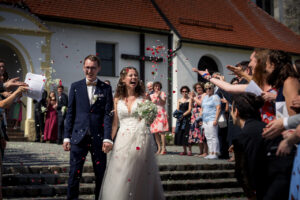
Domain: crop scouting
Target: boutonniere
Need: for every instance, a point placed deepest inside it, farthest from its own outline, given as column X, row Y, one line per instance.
column 95, row 97
column 43, row 109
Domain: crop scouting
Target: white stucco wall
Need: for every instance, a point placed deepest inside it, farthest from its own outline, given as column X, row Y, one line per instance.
column 189, row 56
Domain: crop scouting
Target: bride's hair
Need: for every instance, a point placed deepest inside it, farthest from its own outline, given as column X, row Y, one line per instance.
column 121, row 91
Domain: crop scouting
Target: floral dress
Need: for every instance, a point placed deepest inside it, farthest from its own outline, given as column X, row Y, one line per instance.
column 268, row 110
column 196, row 134
column 160, row 123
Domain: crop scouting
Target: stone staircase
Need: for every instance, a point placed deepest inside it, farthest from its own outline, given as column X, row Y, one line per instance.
column 16, row 135
column 189, row 181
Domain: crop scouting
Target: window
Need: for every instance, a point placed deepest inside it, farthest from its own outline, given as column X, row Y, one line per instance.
column 207, row 63
column 106, row 53
column 266, row 5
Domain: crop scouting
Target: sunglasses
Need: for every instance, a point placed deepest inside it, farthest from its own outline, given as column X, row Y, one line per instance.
column 184, row 91
column 208, row 88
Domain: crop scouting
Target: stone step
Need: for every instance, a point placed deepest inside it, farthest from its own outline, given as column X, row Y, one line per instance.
column 81, row 197
column 59, row 178
column 196, row 174
column 43, row 190
column 38, row 169
column 56, row 191
column 15, row 134
column 53, row 188
column 92, row 197
column 223, row 193
column 199, row 184
column 17, row 138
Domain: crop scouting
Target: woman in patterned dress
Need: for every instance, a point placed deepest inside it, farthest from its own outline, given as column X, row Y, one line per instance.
column 160, row 124
column 196, row 135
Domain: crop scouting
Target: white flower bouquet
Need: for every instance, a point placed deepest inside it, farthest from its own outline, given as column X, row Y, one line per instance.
column 63, row 110
column 43, row 109
column 146, row 110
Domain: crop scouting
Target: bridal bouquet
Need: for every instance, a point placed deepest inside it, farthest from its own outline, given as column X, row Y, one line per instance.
column 146, row 110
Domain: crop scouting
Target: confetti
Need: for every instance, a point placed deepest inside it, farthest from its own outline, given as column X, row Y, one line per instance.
column 138, row 148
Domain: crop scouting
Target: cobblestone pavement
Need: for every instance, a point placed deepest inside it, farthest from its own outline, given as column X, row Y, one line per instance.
column 31, row 153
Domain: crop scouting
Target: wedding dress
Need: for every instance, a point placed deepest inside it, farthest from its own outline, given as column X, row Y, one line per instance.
column 132, row 171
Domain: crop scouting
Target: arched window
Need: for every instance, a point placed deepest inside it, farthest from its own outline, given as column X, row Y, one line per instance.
column 207, row 63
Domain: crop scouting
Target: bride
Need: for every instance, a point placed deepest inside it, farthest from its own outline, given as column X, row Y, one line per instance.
column 132, row 172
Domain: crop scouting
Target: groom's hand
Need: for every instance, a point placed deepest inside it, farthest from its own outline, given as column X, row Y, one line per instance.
column 106, row 147
column 67, row 146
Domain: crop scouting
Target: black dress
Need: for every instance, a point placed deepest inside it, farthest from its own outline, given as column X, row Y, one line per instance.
column 182, row 133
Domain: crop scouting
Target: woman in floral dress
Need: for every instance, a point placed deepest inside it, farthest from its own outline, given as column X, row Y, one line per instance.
column 160, row 124
column 196, row 134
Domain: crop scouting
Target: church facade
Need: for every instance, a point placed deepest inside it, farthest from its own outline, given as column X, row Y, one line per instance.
column 43, row 37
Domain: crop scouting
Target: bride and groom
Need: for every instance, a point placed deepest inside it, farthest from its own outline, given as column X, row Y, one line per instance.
column 132, row 172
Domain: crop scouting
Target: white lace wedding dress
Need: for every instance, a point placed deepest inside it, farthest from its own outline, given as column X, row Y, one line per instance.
column 132, row 172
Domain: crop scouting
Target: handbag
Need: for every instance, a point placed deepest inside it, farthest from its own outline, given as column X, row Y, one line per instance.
column 222, row 121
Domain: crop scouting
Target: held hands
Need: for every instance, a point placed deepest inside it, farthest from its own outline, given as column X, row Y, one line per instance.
column 284, row 148
column 67, row 146
column 106, row 147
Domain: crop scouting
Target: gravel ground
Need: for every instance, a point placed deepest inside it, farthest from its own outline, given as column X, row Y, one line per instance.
column 31, row 153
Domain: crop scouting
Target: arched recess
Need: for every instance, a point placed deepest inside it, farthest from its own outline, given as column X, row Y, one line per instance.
column 16, row 66
column 208, row 62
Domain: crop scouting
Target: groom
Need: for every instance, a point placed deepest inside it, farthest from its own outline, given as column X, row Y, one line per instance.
column 88, row 125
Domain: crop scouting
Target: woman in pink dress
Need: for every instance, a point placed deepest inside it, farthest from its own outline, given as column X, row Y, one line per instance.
column 160, row 124
column 51, row 129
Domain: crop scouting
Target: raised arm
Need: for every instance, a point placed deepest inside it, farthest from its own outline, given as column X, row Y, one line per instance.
column 9, row 100
column 222, row 84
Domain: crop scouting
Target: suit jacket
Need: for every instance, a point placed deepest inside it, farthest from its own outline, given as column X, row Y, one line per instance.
column 43, row 102
column 83, row 118
column 294, row 121
column 252, row 154
column 62, row 101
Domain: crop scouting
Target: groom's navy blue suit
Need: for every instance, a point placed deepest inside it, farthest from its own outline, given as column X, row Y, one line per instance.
column 87, row 126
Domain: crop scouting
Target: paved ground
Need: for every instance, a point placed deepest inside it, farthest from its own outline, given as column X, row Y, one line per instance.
column 31, row 153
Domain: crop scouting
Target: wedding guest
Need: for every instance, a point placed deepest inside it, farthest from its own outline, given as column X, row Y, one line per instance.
column 257, row 63
column 51, row 128
column 62, row 105
column 184, row 107
column 222, row 126
column 160, row 124
column 16, row 113
column 262, row 174
column 196, row 134
column 292, row 138
column 39, row 116
column 211, row 107
column 149, row 88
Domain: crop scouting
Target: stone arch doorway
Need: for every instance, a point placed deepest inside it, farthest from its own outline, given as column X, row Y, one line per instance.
column 15, row 67
column 207, row 62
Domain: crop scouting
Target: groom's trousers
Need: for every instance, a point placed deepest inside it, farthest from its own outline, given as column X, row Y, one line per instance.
column 77, row 158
